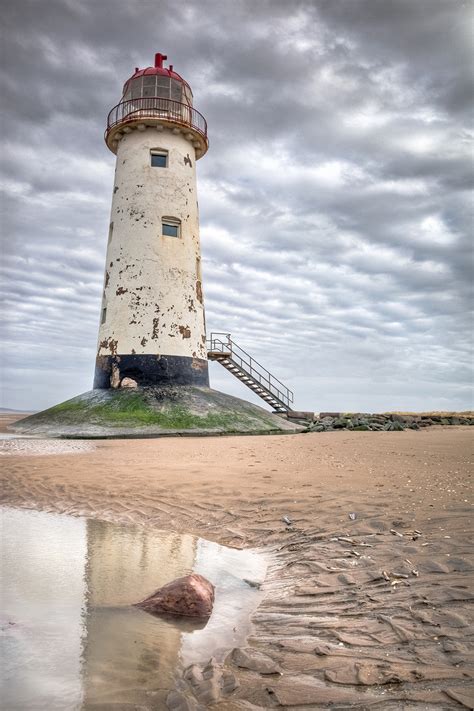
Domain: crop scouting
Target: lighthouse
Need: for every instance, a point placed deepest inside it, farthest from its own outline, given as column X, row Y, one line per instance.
column 151, row 368
column 152, row 325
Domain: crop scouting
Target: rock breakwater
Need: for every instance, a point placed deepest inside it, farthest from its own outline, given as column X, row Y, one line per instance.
column 390, row 422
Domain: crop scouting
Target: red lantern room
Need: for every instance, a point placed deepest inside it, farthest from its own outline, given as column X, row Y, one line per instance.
column 158, row 81
column 157, row 96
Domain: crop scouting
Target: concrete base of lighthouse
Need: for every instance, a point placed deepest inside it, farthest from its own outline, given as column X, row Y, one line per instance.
column 152, row 411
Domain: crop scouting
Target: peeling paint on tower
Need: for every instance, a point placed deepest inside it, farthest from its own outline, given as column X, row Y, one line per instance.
column 156, row 238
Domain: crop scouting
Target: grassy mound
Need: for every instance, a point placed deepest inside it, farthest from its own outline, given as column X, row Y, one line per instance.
column 136, row 408
column 151, row 411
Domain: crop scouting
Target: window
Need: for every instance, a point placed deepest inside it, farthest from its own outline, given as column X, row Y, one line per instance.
column 175, row 90
column 163, row 87
column 111, row 230
column 188, row 97
column 152, row 85
column 159, row 159
column 149, row 86
column 104, row 315
column 136, row 90
column 171, row 227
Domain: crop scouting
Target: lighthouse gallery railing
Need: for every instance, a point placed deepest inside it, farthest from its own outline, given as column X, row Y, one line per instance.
column 155, row 107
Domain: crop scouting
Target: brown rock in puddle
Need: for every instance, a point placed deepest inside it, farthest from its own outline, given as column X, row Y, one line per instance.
column 190, row 596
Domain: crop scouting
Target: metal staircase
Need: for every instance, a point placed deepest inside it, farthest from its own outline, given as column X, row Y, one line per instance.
column 249, row 371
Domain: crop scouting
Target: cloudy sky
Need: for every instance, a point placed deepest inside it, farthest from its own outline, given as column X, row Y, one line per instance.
column 334, row 200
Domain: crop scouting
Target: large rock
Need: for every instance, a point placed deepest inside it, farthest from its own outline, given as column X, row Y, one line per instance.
column 190, row 596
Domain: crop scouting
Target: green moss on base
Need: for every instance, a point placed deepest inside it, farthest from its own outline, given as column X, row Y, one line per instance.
column 137, row 409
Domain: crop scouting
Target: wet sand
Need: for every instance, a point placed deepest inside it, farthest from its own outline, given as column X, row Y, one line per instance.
column 371, row 611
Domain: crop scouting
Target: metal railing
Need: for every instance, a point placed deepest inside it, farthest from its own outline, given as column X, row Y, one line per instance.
column 156, row 107
column 251, row 366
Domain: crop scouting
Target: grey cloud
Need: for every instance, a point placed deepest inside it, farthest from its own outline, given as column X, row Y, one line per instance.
column 334, row 198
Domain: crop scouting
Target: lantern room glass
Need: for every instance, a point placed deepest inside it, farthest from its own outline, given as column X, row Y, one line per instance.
column 157, row 85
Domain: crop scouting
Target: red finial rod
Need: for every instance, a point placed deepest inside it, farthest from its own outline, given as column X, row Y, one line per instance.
column 159, row 59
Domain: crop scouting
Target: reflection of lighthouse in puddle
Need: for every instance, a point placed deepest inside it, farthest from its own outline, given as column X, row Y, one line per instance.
column 128, row 653
column 72, row 633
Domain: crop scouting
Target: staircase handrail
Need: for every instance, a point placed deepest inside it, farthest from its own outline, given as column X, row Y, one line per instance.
column 285, row 395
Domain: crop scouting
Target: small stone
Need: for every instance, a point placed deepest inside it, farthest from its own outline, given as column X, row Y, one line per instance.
column 189, row 596
column 398, row 427
column 129, row 383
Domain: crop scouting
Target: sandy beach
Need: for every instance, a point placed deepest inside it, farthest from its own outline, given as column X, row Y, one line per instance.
column 368, row 601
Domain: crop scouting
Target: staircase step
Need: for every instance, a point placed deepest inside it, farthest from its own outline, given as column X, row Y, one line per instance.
column 243, row 372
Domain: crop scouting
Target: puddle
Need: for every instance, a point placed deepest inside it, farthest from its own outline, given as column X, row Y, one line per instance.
column 21, row 445
column 11, row 435
column 70, row 637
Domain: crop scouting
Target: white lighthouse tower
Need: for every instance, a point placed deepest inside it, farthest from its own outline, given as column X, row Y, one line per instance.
column 152, row 326
column 151, row 370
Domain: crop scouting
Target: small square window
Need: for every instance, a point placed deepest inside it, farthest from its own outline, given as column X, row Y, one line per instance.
column 170, row 229
column 159, row 160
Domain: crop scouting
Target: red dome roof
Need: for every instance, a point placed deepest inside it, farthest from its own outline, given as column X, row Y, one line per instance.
column 157, row 69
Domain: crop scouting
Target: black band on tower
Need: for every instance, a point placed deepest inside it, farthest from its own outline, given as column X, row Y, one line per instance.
column 150, row 370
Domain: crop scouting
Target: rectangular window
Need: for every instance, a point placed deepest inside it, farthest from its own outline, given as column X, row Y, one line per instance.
column 163, row 87
column 149, row 86
column 104, row 315
column 170, row 227
column 175, row 90
column 137, row 89
column 159, row 159
column 111, row 231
